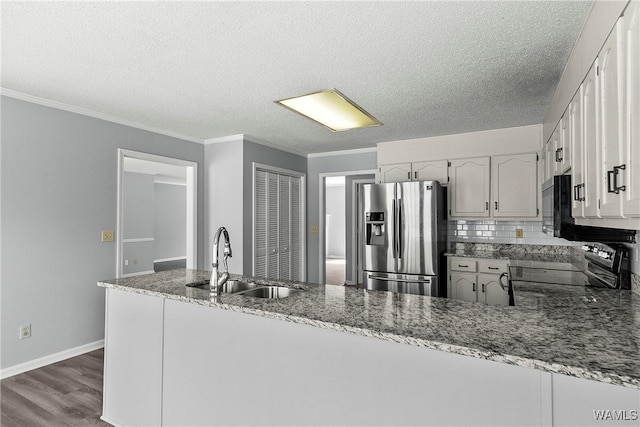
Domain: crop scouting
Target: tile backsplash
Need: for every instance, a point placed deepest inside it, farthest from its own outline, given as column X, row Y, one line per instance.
column 502, row 232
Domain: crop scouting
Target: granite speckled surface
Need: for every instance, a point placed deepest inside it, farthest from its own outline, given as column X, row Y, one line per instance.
column 596, row 338
column 522, row 253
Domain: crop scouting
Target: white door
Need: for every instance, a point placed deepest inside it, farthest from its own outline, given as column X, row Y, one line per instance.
column 277, row 226
column 463, row 286
column 394, row 173
column 431, row 171
column 631, row 196
column 469, row 187
column 610, row 82
column 577, row 154
column 592, row 165
column 514, row 185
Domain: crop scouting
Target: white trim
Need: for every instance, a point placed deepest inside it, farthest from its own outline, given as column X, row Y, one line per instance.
column 52, row 358
column 139, row 273
column 192, row 205
column 354, row 223
column 108, row 421
column 178, row 258
column 95, row 114
column 137, row 240
column 167, row 182
column 321, row 214
column 281, row 171
column 343, row 152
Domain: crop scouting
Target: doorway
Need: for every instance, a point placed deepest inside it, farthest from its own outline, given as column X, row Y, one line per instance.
column 339, row 227
column 156, row 213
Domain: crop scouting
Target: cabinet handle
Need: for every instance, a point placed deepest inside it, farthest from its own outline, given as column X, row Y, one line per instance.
column 483, row 287
column 582, row 196
column 415, row 175
column 463, row 266
column 558, row 157
column 486, row 206
column 612, row 178
column 474, row 287
column 496, row 205
column 409, row 176
column 576, row 189
column 494, row 268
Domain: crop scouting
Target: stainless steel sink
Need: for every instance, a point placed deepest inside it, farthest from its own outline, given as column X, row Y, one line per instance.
column 230, row 287
column 270, row 292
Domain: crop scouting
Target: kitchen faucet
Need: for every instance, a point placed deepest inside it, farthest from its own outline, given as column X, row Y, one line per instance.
column 217, row 279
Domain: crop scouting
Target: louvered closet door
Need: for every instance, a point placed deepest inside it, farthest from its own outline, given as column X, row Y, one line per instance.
column 277, row 226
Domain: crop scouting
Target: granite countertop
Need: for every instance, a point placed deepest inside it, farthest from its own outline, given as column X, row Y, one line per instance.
column 597, row 338
column 525, row 255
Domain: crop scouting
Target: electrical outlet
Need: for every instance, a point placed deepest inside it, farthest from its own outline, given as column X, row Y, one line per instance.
column 519, row 233
column 25, row 331
column 314, row 228
column 107, row 235
column 126, row 262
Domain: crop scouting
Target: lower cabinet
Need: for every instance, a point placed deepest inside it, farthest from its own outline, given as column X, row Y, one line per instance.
column 478, row 280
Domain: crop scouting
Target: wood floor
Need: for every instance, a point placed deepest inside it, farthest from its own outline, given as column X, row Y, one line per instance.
column 67, row 393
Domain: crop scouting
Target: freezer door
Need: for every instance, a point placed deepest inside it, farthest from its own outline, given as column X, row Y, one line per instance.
column 379, row 208
column 402, row 283
column 417, row 228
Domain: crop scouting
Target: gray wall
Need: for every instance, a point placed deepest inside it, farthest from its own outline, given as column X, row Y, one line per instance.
column 170, row 221
column 316, row 166
column 58, row 183
column 348, row 182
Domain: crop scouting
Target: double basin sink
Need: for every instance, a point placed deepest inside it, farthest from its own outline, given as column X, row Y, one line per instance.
column 248, row 289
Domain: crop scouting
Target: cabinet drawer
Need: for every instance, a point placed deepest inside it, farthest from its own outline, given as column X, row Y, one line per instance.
column 495, row 266
column 463, row 264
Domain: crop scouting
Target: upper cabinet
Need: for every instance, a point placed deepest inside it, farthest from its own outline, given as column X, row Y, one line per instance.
column 591, row 166
column 577, row 154
column 514, row 185
column 630, row 178
column 469, row 187
column 416, row 171
column 610, row 97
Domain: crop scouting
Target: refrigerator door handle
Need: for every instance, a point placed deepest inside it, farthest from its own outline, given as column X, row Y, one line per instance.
column 395, row 231
column 399, row 230
column 386, row 279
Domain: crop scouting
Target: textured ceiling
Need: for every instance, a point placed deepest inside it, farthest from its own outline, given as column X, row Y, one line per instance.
column 213, row 69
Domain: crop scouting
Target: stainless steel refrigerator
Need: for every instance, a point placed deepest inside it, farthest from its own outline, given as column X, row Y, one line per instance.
column 405, row 237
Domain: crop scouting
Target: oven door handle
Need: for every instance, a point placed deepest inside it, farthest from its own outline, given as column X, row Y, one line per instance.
column 386, row 279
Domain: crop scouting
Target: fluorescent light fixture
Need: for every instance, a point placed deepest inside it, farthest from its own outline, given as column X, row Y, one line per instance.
column 332, row 109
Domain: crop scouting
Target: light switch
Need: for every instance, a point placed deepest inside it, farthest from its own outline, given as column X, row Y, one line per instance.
column 107, row 235
column 314, row 228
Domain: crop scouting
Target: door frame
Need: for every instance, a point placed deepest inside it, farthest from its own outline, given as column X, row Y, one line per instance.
column 355, row 270
column 192, row 204
column 322, row 273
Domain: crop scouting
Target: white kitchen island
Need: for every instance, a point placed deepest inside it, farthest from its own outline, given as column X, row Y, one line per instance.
column 174, row 357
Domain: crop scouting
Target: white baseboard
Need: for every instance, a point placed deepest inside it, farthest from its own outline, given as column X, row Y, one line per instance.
column 48, row 360
column 178, row 258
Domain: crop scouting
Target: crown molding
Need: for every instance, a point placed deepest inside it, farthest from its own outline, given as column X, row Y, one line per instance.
column 343, row 152
column 95, row 114
column 243, row 137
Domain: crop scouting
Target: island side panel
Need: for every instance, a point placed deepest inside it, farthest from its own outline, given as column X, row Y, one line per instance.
column 227, row 368
column 133, row 359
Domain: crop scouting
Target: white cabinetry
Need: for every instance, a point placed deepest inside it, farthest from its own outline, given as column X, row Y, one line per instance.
column 577, row 154
column 631, row 151
column 611, row 122
column 591, row 144
column 562, row 146
column 469, row 183
column 514, row 185
column 417, row 171
column 478, row 280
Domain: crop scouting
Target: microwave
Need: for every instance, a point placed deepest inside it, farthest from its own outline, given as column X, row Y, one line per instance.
column 558, row 222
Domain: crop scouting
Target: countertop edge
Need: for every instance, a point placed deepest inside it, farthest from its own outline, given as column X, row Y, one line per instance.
column 555, row 368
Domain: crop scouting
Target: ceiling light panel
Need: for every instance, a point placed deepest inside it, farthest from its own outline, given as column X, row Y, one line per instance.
column 332, row 109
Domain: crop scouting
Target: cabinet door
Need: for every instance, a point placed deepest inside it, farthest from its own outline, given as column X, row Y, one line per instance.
column 563, row 159
column 431, row 171
column 631, row 196
column 549, row 160
column 463, row 286
column 610, row 83
column 394, row 173
column 514, row 185
column 469, row 187
column 577, row 154
column 592, row 165
column 556, row 143
column 490, row 291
